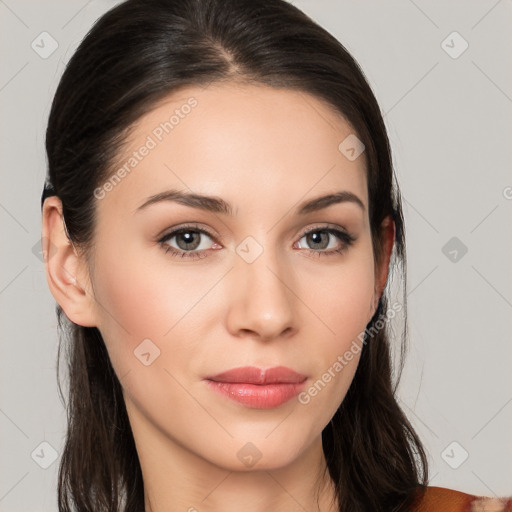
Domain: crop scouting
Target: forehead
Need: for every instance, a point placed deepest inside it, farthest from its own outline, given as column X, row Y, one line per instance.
column 239, row 141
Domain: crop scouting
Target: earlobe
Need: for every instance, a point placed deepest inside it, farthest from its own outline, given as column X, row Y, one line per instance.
column 68, row 281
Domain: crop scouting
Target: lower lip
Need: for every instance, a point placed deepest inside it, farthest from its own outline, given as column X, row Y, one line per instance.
column 256, row 396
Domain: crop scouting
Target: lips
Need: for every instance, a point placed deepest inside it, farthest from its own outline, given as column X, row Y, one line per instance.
column 252, row 375
column 257, row 388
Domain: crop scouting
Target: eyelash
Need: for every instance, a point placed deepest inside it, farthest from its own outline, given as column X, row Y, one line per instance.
column 347, row 240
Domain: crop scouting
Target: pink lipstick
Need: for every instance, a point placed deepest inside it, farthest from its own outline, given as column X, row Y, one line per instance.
column 257, row 388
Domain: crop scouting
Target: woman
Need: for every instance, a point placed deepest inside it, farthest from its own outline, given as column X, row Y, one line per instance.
column 219, row 221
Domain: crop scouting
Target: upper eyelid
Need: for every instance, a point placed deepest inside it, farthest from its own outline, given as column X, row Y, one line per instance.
column 328, row 225
column 175, row 231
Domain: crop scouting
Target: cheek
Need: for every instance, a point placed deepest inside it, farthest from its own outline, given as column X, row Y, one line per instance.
column 341, row 297
column 341, row 308
column 142, row 298
column 144, row 310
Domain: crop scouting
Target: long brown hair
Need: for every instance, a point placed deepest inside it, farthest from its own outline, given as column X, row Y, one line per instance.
column 135, row 54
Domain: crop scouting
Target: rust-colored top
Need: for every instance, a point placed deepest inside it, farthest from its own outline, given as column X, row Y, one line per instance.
column 441, row 499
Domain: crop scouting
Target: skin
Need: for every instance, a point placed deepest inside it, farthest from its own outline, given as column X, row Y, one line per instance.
column 264, row 151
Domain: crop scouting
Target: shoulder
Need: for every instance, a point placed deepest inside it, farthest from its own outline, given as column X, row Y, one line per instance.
column 441, row 499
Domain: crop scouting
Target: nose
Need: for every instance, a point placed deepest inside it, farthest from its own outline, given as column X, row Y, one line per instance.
column 262, row 303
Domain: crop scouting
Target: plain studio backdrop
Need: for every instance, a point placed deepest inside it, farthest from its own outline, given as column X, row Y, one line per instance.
column 441, row 73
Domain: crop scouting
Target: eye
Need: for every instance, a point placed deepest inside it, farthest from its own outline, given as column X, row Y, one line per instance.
column 322, row 238
column 189, row 241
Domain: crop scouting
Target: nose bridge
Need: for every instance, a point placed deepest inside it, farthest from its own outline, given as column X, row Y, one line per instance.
column 263, row 301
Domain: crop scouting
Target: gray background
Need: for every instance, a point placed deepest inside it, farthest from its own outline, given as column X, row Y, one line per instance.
column 449, row 122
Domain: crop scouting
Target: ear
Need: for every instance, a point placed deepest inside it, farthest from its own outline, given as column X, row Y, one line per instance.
column 387, row 230
column 66, row 273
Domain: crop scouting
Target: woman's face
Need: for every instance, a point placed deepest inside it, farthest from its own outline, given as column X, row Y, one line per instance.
column 258, row 283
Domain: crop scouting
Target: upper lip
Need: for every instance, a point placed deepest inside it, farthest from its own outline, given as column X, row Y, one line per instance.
column 253, row 375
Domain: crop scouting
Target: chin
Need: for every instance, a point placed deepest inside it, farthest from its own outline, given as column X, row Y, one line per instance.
column 257, row 453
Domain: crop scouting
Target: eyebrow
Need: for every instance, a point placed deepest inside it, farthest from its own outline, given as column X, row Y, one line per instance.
column 218, row 205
